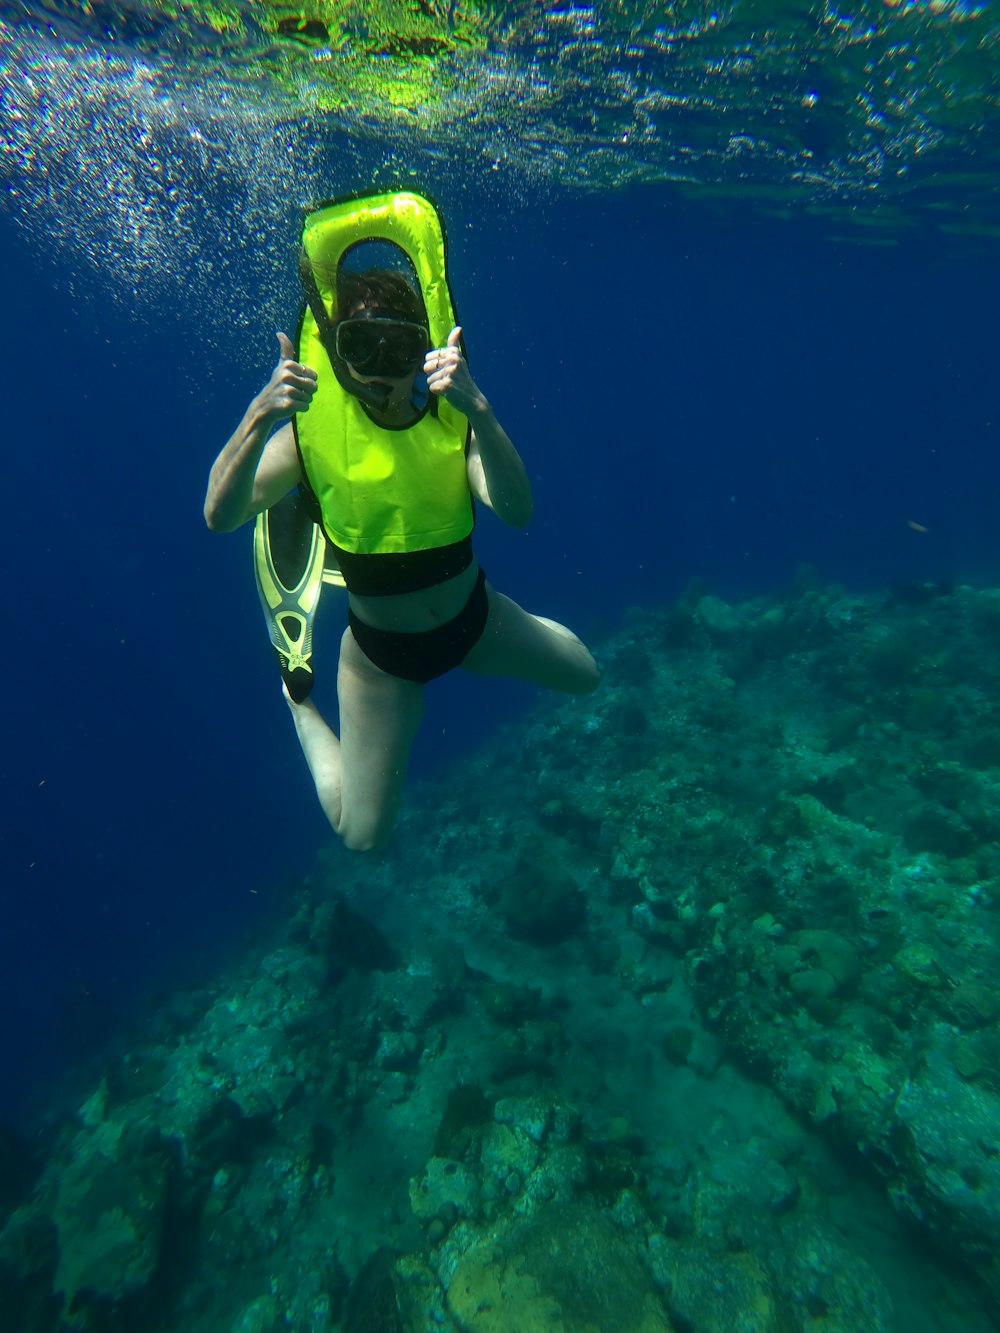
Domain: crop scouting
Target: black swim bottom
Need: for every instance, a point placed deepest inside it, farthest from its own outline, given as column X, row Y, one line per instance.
column 429, row 653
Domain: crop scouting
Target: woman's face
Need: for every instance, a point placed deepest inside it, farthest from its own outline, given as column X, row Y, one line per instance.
column 382, row 347
column 385, row 351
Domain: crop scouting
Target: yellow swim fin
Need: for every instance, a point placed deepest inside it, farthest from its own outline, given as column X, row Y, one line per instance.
column 289, row 552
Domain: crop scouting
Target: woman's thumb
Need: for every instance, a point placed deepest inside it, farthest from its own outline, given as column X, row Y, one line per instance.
column 285, row 347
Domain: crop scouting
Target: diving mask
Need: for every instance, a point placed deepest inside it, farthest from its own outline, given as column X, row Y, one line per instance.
column 382, row 345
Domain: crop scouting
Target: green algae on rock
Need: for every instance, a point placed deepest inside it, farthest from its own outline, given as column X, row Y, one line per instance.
column 564, row 1270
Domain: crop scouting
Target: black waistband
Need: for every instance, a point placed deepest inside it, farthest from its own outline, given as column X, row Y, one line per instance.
column 398, row 572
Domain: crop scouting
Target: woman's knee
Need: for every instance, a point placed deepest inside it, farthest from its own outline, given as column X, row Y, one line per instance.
column 366, row 835
column 594, row 674
column 358, row 831
column 366, row 843
column 587, row 674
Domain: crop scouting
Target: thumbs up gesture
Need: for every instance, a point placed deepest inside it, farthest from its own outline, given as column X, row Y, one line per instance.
column 291, row 386
column 448, row 375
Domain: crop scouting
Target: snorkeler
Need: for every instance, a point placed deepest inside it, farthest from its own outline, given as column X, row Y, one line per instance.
column 390, row 471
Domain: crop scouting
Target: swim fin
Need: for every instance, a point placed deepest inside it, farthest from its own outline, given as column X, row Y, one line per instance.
column 290, row 567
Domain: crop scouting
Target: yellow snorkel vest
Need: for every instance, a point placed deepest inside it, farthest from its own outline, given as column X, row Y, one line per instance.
column 381, row 491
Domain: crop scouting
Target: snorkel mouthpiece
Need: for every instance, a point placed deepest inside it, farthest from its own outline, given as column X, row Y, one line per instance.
column 371, row 395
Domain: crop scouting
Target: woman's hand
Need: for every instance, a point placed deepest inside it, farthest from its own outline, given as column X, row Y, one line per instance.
column 291, row 386
column 448, row 375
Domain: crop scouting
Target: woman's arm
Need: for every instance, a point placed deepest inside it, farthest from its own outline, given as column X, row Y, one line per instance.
column 255, row 468
column 496, row 474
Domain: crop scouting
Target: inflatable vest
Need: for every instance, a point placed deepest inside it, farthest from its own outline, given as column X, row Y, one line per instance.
column 380, row 490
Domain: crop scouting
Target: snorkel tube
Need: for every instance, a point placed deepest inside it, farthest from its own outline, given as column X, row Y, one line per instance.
column 372, row 395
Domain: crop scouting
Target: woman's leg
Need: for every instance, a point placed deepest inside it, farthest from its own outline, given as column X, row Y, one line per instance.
column 517, row 643
column 359, row 777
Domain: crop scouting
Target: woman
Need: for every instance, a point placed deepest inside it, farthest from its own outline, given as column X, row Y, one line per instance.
column 415, row 610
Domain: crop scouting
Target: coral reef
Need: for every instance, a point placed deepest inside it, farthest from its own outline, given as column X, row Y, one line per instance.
column 674, row 1008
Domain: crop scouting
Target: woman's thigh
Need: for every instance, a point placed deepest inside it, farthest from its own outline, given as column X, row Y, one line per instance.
column 379, row 717
column 517, row 643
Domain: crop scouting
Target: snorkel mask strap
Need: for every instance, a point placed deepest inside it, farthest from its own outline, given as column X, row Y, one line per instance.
column 372, row 395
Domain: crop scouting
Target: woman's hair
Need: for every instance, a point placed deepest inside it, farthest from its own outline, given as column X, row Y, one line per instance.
column 378, row 289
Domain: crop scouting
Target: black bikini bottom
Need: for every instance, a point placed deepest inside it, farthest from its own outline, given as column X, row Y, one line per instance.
column 429, row 653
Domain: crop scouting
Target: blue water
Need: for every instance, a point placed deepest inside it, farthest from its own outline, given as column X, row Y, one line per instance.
column 689, row 399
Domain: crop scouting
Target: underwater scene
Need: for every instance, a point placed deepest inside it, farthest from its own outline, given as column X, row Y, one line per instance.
column 625, row 963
